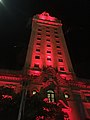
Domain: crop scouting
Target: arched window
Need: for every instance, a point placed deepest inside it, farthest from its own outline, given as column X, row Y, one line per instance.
column 51, row 95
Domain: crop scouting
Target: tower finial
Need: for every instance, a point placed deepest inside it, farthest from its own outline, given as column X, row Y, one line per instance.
column 45, row 16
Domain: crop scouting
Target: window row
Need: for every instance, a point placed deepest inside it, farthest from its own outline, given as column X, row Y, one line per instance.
column 38, row 50
column 48, row 51
column 61, row 68
column 47, row 45
column 38, row 57
column 47, row 27
column 47, row 31
column 58, row 46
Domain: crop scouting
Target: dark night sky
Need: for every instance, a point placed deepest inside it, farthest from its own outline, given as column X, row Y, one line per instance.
column 15, row 17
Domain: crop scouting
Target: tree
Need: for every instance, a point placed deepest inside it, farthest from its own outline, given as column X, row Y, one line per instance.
column 37, row 108
column 9, row 103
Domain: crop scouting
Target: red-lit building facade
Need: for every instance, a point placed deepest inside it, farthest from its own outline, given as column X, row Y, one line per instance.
column 48, row 65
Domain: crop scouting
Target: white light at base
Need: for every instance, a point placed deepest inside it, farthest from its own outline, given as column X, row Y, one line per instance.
column 34, row 92
column 66, row 96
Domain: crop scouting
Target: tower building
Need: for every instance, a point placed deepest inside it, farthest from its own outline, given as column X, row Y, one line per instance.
column 48, row 62
column 47, row 46
column 48, row 67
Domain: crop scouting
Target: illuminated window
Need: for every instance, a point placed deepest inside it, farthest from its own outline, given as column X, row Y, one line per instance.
column 66, row 95
column 48, row 45
column 58, row 46
column 60, row 60
column 38, row 50
column 48, row 51
column 49, row 59
column 37, row 57
column 34, row 92
column 51, row 95
column 62, row 68
column 36, row 65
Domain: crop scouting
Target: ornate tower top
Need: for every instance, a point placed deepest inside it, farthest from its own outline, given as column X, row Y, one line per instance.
column 47, row 19
column 46, row 16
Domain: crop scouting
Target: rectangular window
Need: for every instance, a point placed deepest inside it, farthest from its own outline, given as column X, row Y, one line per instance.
column 39, row 29
column 56, row 32
column 49, row 97
column 56, row 36
column 88, row 98
column 47, row 31
column 48, row 51
column 52, row 96
column 55, row 28
column 47, row 27
column 48, row 40
column 59, row 53
column 62, row 68
column 37, row 57
column 36, row 65
column 38, row 50
column 39, row 33
column 60, row 60
column 57, row 41
column 48, row 35
column 58, row 46
column 38, row 38
column 38, row 43
column 48, row 45
column 49, row 59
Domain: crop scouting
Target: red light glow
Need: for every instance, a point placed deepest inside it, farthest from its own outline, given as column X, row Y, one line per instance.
column 7, row 96
column 10, row 78
column 34, row 72
column 46, row 16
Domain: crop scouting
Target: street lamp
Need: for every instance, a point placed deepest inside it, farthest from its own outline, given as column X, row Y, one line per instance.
column 0, row 1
